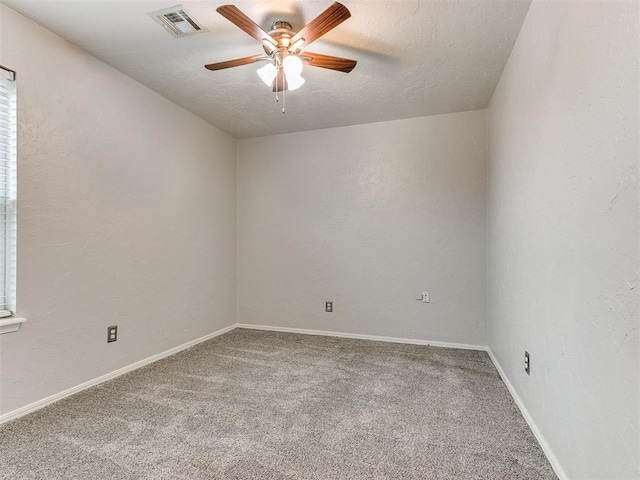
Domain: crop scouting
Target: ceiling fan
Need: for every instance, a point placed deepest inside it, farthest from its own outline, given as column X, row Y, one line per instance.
column 284, row 48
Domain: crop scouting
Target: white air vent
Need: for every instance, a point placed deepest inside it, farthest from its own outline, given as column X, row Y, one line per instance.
column 177, row 21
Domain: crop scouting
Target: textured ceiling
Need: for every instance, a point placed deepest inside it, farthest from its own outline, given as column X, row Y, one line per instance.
column 415, row 58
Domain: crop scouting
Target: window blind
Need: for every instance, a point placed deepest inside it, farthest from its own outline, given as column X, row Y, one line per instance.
column 8, row 127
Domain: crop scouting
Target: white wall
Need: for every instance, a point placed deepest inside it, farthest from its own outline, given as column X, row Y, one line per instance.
column 126, row 216
column 367, row 216
column 564, row 245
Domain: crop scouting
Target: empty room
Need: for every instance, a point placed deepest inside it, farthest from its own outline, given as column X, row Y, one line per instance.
column 305, row 239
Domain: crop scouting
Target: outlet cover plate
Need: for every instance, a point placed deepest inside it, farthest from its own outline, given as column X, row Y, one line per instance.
column 112, row 333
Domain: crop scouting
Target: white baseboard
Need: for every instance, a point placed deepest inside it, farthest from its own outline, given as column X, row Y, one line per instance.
column 121, row 371
column 546, row 448
column 358, row 336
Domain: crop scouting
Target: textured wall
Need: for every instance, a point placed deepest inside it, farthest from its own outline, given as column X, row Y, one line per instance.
column 126, row 216
column 564, row 231
column 367, row 216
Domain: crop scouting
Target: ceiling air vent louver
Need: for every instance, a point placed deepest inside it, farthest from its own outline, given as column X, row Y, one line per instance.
column 177, row 21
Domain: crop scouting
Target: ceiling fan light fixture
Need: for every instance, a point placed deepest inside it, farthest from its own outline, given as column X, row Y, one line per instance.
column 294, row 81
column 268, row 74
column 292, row 65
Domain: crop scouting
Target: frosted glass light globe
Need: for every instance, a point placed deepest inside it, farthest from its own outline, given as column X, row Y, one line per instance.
column 292, row 65
column 268, row 74
column 294, row 81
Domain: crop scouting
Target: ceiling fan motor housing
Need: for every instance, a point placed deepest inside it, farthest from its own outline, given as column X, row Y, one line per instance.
column 281, row 24
column 281, row 32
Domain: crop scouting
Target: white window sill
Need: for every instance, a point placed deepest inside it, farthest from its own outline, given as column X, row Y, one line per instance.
column 11, row 324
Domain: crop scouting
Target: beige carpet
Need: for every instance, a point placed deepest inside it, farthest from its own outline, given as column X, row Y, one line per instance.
column 264, row 405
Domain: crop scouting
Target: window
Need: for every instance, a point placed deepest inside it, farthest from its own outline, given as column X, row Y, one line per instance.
column 8, row 184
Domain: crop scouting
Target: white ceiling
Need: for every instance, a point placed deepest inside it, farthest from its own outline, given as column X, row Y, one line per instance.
column 415, row 58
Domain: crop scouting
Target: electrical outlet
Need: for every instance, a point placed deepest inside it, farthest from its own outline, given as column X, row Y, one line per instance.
column 112, row 333
column 527, row 363
column 426, row 298
column 328, row 307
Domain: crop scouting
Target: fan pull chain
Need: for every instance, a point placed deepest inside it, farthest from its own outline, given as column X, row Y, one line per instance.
column 284, row 95
column 276, row 83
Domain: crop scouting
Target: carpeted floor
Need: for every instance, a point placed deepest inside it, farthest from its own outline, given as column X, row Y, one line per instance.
column 265, row 405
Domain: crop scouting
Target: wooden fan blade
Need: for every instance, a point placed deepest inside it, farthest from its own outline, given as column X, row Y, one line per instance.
column 280, row 82
column 327, row 61
column 239, row 19
column 234, row 63
column 327, row 20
